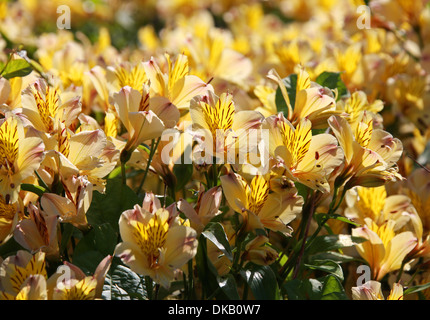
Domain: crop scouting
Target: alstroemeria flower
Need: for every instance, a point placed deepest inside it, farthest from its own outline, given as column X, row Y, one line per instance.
column 9, row 216
column 207, row 207
column 155, row 244
column 257, row 252
column 370, row 155
column 371, row 290
column 71, row 208
column 20, row 155
column 384, row 250
column 69, row 282
column 312, row 101
column 178, row 85
column 45, row 107
column 86, row 153
column 374, row 203
column 38, row 232
column 306, row 158
column 260, row 208
column 222, row 131
column 16, row 269
column 33, row 288
column 139, row 120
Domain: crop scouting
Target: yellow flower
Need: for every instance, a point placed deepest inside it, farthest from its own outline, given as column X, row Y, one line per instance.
column 69, row 282
column 356, row 104
column 374, row 203
column 33, row 288
column 384, row 250
column 15, row 270
column 155, row 244
column 178, row 85
column 256, row 251
column 259, row 207
column 38, row 232
column 9, row 216
column 71, row 208
column 370, row 155
column 20, row 155
column 223, row 132
column 140, row 122
column 46, row 107
column 129, row 75
column 76, row 290
column 371, row 290
column 207, row 207
column 313, row 101
column 306, row 158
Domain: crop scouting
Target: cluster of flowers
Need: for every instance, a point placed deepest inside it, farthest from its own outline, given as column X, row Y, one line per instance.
column 301, row 131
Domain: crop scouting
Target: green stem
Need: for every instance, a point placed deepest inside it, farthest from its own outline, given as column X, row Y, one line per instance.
column 191, row 291
column 303, row 245
column 154, row 146
column 124, row 177
column 148, row 285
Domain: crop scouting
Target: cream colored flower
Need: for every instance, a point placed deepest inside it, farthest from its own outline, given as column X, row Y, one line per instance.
column 155, row 244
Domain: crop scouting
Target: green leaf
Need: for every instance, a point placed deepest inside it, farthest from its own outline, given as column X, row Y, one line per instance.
column 326, row 288
column 333, row 289
column 121, row 283
column 327, row 266
column 39, row 190
column 290, row 84
column 214, row 231
column 207, row 272
column 302, row 190
column 332, row 80
column 261, row 280
column 416, row 289
column 334, row 256
column 109, row 206
column 228, row 285
column 307, row 289
column 319, row 217
column 95, row 246
column 16, row 68
column 9, row 248
column 183, row 173
column 333, row 242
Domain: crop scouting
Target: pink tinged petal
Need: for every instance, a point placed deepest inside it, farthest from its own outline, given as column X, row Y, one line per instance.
column 86, row 148
column 146, row 126
column 77, row 273
column 190, row 213
column 126, row 227
column 233, row 66
column 54, row 204
column 279, row 210
column 186, row 89
column 150, row 202
column 69, row 111
column 210, row 202
column 165, row 110
column 125, row 101
column 131, row 255
column 181, row 246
